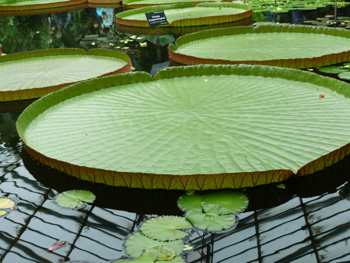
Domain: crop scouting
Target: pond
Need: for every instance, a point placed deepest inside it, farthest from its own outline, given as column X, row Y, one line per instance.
column 303, row 220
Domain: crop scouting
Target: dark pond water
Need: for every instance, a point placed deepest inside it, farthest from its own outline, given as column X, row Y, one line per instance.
column 306, row 220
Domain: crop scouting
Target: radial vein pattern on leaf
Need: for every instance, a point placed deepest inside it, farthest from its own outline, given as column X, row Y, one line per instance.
column 195, row 125
column 51, row 71
column 265, row 46
column 195, row 12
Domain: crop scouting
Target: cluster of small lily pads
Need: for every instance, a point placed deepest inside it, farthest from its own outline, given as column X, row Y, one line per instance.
column 124, row 43
column 342, row 71
column 161, row 239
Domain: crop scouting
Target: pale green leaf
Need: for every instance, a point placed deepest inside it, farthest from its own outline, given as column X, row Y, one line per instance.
column 74, row 198
column 211, row 221
column 6, row 203
column 138, row 242
column 165, row 228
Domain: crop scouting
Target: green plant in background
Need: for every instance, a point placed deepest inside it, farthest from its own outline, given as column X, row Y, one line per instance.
column 282, row 6
column 74, row 198
column 6, row 203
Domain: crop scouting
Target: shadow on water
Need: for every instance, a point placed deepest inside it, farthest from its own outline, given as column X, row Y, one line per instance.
column 165, row 202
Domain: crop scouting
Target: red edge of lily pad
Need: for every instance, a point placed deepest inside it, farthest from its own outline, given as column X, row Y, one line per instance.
column 211, row 20
column 164, row 181
column 297, row 63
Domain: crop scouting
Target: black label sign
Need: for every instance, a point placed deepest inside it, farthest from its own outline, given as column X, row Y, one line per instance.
column 157, row 18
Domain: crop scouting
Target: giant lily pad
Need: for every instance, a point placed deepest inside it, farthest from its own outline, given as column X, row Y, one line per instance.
column 179, row 15
column 274, row 45
column 144, row 3
column 200, row 127
column 33, row 74
column 46, row 6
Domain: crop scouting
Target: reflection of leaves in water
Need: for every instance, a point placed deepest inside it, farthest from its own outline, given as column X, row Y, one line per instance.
column 8, row 133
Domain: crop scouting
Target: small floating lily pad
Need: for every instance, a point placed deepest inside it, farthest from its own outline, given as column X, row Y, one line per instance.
column 333, row 69
column 226, row 202
column 138, row 242
column 6, row 203
column 74, row 198
column 210, row 220
column 344, row 75
column 166, row 228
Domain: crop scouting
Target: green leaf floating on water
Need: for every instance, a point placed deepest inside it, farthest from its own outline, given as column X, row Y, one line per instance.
column 138, row 242
column 156, row 254
column 6, row 203
column 201, row 127
column 74, row 198
column 148, row 256
column 33, row 74
column 333, row 69
column 211, row 220
column 166, row 228
column 275, row 45
column 345, row 76
column 226, row 202
column 188, row 14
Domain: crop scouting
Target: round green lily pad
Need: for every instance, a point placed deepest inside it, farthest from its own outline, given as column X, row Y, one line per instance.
column 226, row 202
column 188, row 14
column 137, row 243
column 274, row 45
column 201, row 127
column 74, row 198
column 166, row 228
column 333, row 69
column 33, row 74
column 143, row 3
column 344, row 75
column 211, row 220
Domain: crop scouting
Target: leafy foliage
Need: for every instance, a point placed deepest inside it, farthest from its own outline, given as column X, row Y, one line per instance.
column 74, row 198
column 225, row 202
column 138, row 242
column 210, row 220
column 165, row 228
column 6, row 203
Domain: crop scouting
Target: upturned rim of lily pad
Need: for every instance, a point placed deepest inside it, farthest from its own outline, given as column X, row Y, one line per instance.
column 33, row 93
column 298, row 63
column 122, row 18
column 133, row 4
column 49, row 7
column 176, row 181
